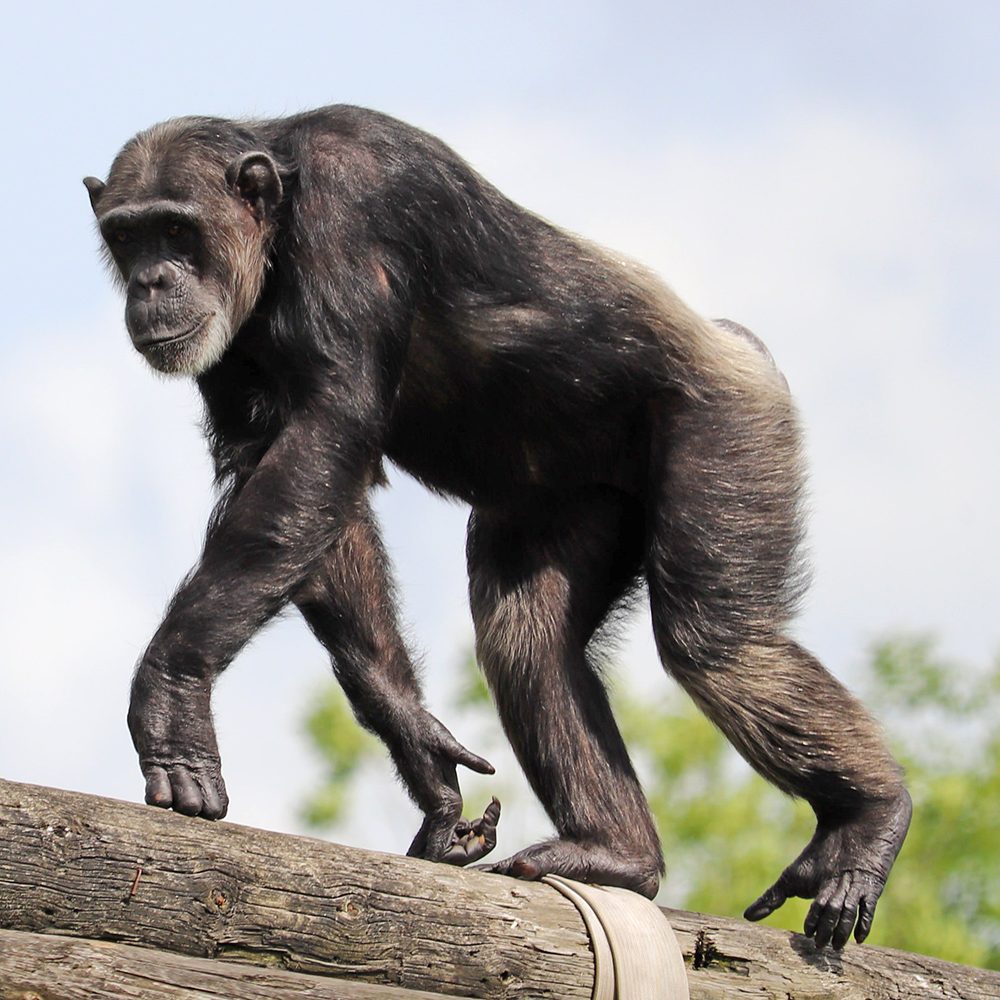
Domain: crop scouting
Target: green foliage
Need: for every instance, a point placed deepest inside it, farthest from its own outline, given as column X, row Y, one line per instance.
column 343, row 746
column 727, row 834
column 472, row 692
column 944, row 896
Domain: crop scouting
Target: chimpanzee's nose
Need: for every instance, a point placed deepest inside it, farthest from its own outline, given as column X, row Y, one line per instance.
column 152, row 280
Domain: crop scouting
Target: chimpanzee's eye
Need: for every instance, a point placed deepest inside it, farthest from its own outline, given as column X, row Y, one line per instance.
column 120, row 236
column 173, row 230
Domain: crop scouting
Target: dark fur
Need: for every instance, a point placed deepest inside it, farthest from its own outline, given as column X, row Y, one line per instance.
column 347, row 288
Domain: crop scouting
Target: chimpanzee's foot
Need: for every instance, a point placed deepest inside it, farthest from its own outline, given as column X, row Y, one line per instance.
column 584, row 863
column 844, row 868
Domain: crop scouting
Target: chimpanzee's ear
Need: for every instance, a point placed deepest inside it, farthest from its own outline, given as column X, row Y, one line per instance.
column 95, row 189
column 254, row 177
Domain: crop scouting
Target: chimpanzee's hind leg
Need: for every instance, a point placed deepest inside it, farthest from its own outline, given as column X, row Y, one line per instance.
column 541, row 582
column 723, row 579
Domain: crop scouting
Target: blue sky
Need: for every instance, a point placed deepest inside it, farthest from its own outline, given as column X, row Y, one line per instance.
column 827, row 174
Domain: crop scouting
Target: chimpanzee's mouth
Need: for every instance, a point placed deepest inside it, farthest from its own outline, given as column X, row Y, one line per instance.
column 151, row 340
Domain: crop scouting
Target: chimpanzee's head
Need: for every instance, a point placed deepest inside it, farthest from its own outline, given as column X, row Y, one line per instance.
column 187, row 215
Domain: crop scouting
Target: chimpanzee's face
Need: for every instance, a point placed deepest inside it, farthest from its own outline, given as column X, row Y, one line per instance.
column 187, row 241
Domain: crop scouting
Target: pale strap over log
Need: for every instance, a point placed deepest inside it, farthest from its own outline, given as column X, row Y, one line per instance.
column 636, row 955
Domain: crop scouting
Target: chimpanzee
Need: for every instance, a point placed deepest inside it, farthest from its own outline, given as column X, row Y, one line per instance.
column 344, row 288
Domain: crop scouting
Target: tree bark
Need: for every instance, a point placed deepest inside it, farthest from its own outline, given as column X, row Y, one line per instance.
column 88, row 867
column 47, row 967
column 93, row 868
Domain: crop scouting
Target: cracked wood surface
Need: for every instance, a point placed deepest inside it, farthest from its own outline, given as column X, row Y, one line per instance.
column 82, row 866
column 79, row 866
column 48, row 967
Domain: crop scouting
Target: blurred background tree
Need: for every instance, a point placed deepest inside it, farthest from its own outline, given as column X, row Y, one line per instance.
column 727, row 833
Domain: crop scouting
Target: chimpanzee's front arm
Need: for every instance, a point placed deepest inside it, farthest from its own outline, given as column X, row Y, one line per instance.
column 298, row 528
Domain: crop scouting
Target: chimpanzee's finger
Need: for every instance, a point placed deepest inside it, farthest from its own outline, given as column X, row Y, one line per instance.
column 158, row 791
column 186, row 793
column 767, row 902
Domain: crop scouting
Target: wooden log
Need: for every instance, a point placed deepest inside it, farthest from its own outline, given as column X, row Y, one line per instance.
column 48, row 967
column 88, row 867
column 76, row 865
column 735, row 960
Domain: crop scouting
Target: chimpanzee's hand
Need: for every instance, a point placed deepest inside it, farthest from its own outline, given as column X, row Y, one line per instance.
column 471, row 839
column 426, row 761
column 843, row 869
column 170, row 720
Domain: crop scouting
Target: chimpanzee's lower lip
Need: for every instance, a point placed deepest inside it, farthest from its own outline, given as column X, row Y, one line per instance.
column 144, row 342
